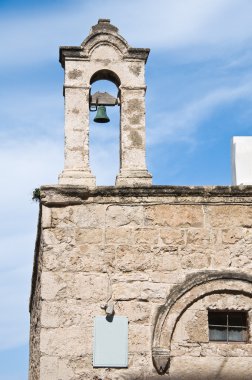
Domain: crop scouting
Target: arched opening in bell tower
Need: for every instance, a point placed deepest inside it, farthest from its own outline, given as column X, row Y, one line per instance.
column 104, row 135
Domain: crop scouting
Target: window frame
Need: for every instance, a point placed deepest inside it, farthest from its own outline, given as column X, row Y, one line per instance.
column 228, row 326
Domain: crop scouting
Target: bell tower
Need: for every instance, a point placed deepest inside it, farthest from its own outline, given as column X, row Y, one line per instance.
column 104, row 54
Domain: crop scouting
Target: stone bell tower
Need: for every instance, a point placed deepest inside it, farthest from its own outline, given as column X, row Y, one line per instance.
column 104, row 54
column 135, row 281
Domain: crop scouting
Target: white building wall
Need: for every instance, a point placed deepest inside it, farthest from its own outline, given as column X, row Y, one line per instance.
column 242, row 160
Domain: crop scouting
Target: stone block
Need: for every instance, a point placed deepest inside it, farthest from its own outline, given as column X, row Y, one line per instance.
column 126, row 291
column 146, row 236
column 95, row 258
column 172, row 236
column 231, row 349
column 50, row 238
column 65, row 372
column 86, row 258
column 232, row 236
column 201, row 237
column 220, row 258
column 154, row 292
column 74, row 285
column 197, row 328
column 48, row 368
column 137, row 335
column 185, row 349
column 90, row 287
column 66, row 341
column 143, row 291
column 89, row 236
column 241, row 257
column 69, row 312
column 130, row 276
column 224, row 216
column 222, row 368
column 83, row 216
column 82, row 366
column 195, row 259
column 165, row 259
column 51, row 285
column 46, row 217
column 50, row 314
column 135, row 311
column 174, row 215
column 127, row 216
column 129, row 258
column 119, row 235
column 167, row 277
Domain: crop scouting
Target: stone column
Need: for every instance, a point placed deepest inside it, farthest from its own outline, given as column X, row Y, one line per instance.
column 76, row 168
column 133, row 171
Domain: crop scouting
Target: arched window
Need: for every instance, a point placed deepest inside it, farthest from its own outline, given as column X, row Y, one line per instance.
column 105, row 137
column 198, row 287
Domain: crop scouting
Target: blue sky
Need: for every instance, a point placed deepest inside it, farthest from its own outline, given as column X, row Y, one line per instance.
column 199, row 78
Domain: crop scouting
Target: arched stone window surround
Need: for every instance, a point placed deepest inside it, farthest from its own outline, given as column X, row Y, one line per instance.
column 182, row 296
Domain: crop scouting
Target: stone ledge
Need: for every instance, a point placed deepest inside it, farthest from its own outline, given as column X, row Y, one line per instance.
column 62, row 195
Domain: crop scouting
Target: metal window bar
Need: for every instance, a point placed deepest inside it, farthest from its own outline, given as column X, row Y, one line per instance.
column 227, row 326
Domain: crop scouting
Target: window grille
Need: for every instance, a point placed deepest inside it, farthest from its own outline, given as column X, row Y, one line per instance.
column 228, row 326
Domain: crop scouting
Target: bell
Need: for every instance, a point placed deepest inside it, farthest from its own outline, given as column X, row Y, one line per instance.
column 101, row 116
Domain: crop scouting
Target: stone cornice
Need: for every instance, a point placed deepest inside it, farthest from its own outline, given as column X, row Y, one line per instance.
column 71, row 195
column 69, row 51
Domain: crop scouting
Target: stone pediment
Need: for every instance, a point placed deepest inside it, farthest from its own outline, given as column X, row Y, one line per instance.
column 103, row 33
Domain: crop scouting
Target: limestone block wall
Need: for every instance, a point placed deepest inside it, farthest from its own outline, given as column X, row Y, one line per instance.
column 139, row 247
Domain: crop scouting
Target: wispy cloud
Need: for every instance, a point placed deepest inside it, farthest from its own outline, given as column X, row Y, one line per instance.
column 14, row 292
column 182, row 124
column 23, row 166
column 167, row 24
column 25, row 114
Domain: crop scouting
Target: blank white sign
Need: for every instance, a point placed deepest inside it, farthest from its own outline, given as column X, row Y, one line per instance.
column 110, row 342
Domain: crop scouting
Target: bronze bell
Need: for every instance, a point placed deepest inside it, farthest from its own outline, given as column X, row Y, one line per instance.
column 101, row 116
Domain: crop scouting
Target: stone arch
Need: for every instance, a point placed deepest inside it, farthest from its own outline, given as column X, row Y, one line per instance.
column 182, row 296
column 106, row 75
column 108, row 36
column 109, row 40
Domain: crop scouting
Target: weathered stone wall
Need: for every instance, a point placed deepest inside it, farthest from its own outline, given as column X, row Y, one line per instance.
column 134, row 246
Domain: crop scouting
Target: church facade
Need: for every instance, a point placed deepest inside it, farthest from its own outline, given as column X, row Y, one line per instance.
column 135, row 281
